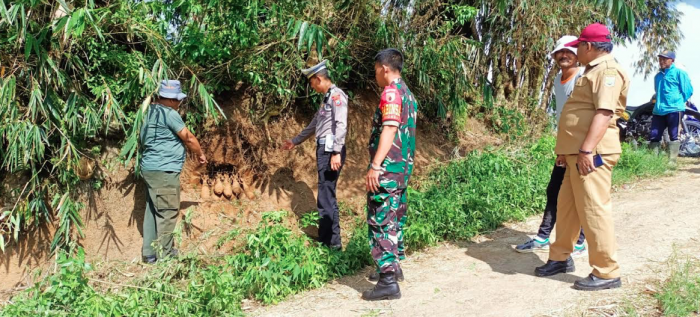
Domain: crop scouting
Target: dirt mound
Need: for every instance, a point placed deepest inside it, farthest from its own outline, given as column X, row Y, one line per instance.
column 278, row 179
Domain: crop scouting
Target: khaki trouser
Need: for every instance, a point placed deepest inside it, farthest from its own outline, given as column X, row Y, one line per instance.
column 584, row 201
column 162, row 209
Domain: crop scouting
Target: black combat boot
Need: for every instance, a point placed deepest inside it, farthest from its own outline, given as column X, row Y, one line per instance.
column 374, row 276
column 386, row 288
column 555, row 267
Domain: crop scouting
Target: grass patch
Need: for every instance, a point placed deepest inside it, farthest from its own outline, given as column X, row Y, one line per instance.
column 638, row 164
column 274, row 263
column 680, row 294
column 478, row 193
column 456, row 201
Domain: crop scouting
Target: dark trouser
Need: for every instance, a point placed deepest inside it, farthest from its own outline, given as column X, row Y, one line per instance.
column 550, row 210
column 162, row 209
column 672, row 121
column 329, row 222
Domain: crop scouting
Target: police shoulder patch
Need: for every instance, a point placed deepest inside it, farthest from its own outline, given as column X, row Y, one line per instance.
column 609, row 80
column 337, row 100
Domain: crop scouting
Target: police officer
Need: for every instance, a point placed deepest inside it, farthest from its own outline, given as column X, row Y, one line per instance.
column 588, row 145
column 331, row 125
column 163, row 140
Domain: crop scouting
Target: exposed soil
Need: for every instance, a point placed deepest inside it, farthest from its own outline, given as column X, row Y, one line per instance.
column 485, row 277
column 278, row 179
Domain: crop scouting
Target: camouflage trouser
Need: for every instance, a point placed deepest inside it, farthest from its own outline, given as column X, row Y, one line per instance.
column 386, row 214
column 401, row 216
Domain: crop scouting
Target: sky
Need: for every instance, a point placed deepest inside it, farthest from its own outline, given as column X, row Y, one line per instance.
column 687, row 54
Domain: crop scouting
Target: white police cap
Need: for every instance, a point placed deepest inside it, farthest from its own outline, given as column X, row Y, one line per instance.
column 311, row 71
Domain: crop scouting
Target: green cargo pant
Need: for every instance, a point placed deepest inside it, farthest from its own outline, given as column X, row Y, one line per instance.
column 162, row 210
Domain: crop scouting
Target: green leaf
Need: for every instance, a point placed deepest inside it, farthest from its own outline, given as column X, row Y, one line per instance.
column 28, row 45
column 320, row 41
column 302, row 32
column 5, row 14
column 65, row 6
column 310, row 35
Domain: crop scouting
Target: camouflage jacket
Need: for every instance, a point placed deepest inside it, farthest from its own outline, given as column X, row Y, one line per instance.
column 396, row 108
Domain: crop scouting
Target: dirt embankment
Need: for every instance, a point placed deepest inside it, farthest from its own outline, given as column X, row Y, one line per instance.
column 278, row 179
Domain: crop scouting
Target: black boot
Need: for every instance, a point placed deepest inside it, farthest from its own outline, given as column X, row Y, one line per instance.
column 374, row 276
column 594, row 283
column 555, row 267
column 386, row 288
column 151, row 259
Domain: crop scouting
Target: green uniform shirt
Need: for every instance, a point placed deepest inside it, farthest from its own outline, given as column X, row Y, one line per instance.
column 398, row 108
column 162, row 149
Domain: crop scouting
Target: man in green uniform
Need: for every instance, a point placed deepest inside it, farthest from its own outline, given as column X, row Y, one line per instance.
column 392, row 144
column 163, row 139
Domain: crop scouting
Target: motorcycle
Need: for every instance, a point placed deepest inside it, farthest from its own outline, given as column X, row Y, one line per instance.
column 635, row 126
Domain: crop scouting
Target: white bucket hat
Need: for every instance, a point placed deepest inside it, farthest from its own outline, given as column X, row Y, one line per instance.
column 561, row 44
column 171, row 89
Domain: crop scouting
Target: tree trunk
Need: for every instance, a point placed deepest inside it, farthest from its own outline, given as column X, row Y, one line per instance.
column 549, row 83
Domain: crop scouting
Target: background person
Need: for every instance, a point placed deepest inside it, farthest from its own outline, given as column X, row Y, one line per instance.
column 163, row 140
column 567, row 60
column 673, row 90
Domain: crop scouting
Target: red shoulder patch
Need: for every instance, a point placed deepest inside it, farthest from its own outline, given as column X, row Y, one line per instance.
column 337, row 100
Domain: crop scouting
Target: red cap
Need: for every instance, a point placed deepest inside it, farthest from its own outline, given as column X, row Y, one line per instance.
column 595, row 32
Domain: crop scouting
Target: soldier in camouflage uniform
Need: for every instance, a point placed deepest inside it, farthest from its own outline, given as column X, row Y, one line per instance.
column 392, row 145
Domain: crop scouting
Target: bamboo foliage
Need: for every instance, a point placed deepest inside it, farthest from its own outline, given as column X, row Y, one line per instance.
column 74, row 73
column 69, row 80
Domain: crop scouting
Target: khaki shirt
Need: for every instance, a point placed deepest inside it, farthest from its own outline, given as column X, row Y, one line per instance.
column 604, row 85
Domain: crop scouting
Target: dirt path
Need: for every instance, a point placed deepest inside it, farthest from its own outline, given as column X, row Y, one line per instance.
column 487, row 278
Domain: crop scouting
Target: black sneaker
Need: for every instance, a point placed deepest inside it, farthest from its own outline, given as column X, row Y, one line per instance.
column 533, row 245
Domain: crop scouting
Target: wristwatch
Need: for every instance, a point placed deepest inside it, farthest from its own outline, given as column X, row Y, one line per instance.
column 379, row 169
column 585, row 152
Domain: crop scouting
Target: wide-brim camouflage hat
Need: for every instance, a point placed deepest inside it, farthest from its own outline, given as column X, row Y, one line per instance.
column 171, row 89
column 313, row 70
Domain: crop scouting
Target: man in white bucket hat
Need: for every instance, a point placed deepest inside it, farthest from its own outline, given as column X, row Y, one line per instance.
column 564, row 84
column 163, row 140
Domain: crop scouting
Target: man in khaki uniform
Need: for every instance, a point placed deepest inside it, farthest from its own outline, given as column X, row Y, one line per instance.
column 588, row 146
